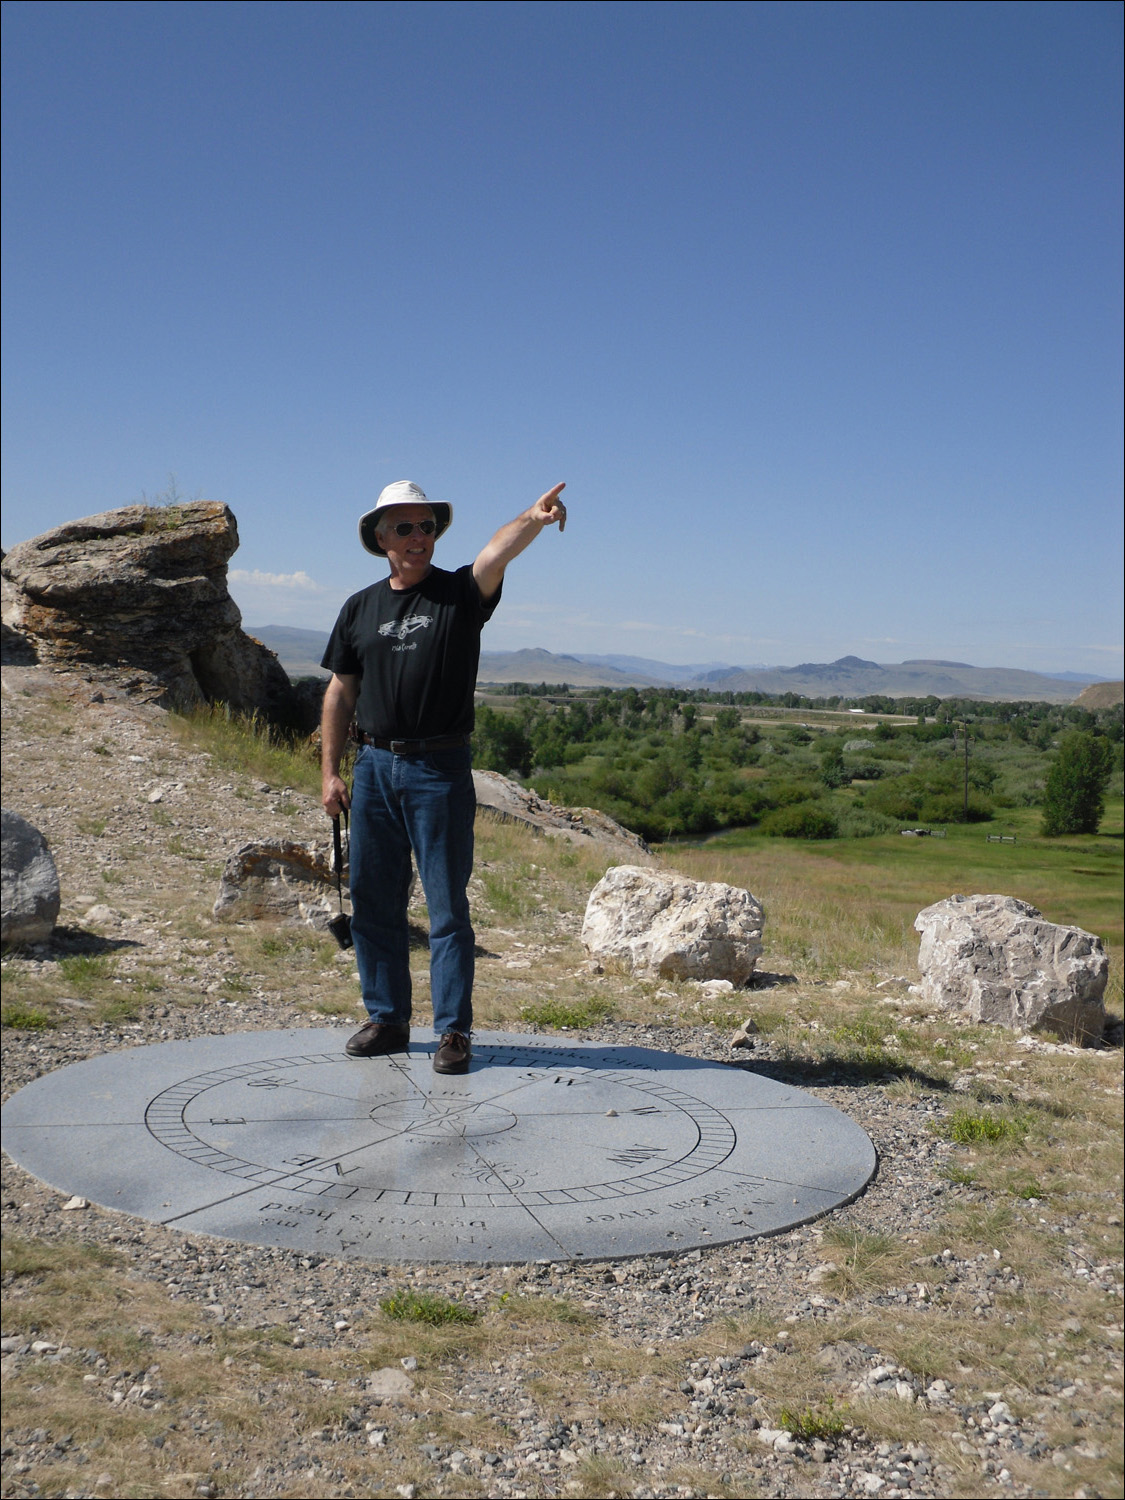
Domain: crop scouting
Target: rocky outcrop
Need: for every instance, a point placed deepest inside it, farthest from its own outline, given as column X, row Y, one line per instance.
column 143, row 588
column 996, row 960
column 506, row 800
column 664, row 924
column 30, row 897
column 278, row 881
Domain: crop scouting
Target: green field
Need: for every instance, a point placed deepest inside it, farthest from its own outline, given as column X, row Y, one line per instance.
column 855, row 900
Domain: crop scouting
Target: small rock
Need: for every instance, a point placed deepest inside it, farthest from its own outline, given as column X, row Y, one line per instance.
column 389, row 1383
column 102, row 915
column 744, row 1036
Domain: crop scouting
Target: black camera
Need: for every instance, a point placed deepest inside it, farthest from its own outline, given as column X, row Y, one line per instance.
column 341, row 929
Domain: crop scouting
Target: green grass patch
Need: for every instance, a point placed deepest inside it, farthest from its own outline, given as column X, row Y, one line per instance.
column 428, row 1308
column 510, row 894
column 22, row 1017
column 1031, row 1191
column 85, row 973
column 861, row 1033
column 557, row 1013
column 283, row 944
column 121, row 1005
column 969, row 1129
column 811, row 1423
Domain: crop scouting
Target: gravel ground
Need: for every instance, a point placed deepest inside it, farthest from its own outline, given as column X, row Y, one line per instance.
column 716, row 1436
column 652, row 1303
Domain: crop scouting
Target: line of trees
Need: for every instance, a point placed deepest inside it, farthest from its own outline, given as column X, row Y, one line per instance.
column 666, row 762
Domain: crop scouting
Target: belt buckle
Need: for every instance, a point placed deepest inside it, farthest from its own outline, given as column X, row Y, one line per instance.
column 400, row 747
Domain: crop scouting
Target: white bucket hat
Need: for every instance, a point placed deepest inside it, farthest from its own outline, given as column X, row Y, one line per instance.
column 401, row 492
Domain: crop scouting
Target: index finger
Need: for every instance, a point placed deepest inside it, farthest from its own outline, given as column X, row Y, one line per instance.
column 551, row 500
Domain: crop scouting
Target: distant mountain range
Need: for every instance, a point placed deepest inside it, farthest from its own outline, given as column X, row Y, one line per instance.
column 300, row 651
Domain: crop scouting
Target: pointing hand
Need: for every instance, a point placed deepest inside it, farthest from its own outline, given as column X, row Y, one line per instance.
column 549, row 508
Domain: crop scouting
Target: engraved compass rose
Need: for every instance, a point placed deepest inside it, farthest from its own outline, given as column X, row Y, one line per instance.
column 541, row 1151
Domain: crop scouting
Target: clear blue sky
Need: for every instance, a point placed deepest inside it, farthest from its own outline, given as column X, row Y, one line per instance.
column 816, row 308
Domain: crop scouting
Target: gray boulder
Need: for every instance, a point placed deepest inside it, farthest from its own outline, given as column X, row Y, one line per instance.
column 995, row 959
column 278, row 881
column 30, row 883
column 143, row 587
column 658, row 923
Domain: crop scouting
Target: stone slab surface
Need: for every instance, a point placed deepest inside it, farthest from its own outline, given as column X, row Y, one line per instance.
column 543, row 1151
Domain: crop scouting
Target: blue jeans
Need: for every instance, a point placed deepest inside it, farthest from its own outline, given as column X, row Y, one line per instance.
column 425, row 803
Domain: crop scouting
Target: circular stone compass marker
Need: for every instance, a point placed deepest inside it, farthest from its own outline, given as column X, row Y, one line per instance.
column 541, row 1152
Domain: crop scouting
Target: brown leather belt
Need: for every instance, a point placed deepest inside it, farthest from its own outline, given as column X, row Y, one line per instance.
column 416, row 747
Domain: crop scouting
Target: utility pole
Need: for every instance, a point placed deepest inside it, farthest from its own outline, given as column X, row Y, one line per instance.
column 965, row 802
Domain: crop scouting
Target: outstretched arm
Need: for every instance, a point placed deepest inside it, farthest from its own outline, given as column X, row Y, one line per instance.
column 339, row 705
column 510, row 540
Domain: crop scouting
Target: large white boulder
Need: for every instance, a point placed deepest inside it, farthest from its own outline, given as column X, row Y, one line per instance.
column 663, row 924
column 30, row 883
column 998, row 961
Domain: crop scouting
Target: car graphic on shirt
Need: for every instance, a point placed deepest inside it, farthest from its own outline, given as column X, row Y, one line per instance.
column 400, row 629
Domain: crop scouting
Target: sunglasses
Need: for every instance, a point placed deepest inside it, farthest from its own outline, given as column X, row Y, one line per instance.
column 407, row 528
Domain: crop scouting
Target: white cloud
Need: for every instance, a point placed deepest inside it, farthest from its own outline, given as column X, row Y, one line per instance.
column 255, row 578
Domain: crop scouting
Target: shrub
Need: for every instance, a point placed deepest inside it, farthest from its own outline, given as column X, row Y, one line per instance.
column 862, row 823
column 866, row 770
column 802, row 820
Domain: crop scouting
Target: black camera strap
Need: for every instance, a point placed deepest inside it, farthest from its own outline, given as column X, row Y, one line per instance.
column 338, row 853
column 341, row 926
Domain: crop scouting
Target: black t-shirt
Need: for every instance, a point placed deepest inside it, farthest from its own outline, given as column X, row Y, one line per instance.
column 417, row 652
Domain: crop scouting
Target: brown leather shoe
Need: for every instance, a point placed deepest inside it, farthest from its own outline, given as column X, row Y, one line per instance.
column 377, row 1038
column 453, row 1054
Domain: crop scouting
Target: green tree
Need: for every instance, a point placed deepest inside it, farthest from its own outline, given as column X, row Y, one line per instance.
column 1074, row 797
column 500, row 743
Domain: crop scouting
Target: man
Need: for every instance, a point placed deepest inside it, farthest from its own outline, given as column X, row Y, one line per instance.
column 403, row 658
